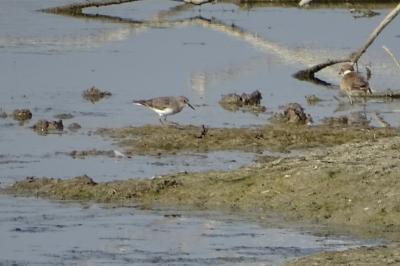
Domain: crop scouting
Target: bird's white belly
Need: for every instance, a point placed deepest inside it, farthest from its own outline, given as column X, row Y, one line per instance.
column 164, row 112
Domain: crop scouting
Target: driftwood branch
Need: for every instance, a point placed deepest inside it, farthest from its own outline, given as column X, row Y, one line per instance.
column 308, row 74
column 354, row 57
column 76, row 8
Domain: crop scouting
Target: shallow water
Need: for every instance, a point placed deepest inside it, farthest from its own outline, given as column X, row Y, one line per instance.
column 47, row 61
column 37, row 232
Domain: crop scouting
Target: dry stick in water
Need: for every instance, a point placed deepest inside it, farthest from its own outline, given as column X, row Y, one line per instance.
column 308, row 74
column 392, row 56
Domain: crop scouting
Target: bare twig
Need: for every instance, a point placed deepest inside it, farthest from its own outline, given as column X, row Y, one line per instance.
column 354, row 57
column 392, row 56
column 375, row 33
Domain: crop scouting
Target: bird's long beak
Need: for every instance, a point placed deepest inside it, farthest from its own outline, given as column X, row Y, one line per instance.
column 191, row 106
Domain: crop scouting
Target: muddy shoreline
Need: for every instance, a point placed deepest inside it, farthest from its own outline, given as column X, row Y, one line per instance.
column 278, row 137
column 343, row 176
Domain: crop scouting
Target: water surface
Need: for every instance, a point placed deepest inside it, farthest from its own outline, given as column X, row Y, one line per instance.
column 48, row 60
column 37, row 232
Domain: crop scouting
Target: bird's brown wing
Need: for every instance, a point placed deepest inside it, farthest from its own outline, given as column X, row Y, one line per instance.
column 359, row 83
column 159, row 102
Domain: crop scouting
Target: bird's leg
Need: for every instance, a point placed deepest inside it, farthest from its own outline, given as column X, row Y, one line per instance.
column 162, row 120
column 351, row 100
column 365, row 110
column 170, row 123
column 365, row 98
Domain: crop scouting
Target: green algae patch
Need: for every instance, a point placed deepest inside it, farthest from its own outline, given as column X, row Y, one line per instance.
column 84, row 188
column 279, row 137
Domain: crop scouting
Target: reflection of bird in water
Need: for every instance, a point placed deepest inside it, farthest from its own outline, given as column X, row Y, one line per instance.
column 165, row 106
column 352, row 83
column 199, row 82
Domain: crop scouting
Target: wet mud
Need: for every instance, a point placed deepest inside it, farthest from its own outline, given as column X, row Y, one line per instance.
column 381, row 255
column 300, row 186
column 279, row 136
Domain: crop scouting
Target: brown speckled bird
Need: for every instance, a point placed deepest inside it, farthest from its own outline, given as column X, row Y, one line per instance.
column 165, row 106
column 352, row 83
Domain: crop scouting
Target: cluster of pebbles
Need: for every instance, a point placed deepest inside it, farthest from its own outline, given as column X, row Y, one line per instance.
column 44, row 127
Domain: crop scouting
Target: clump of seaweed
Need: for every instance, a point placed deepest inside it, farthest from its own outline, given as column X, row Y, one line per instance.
column 43, row 127
column 250, row 102
column 22, row 115
column 94, row 94
column 293, row 113
column 313, row 99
